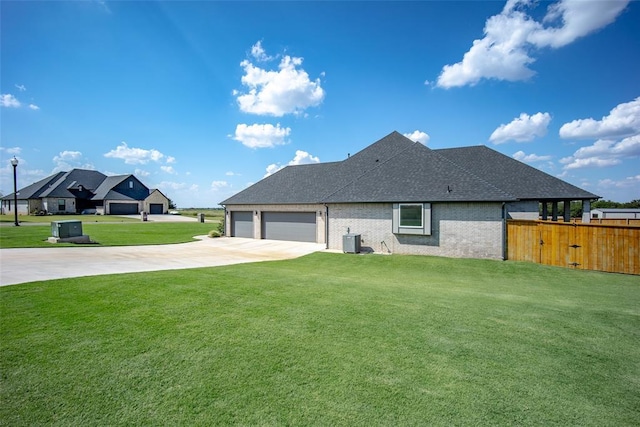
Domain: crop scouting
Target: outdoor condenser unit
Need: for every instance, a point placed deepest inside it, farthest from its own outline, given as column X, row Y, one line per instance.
column 64, row 229
column 351, row 243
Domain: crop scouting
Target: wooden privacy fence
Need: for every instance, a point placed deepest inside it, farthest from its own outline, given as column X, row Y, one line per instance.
column 612, row 248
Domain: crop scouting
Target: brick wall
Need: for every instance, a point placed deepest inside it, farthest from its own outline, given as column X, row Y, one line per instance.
column 467, row 230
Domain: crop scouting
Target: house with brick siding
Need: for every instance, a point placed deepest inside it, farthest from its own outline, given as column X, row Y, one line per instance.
column 400, row 196
column 82, row 190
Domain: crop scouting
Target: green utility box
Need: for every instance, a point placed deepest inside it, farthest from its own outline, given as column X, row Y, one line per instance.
column 66, row 229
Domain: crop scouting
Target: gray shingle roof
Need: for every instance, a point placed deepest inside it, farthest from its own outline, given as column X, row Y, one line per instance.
column 515, row 177
column 34, row 190
column 59, row 184
column 89, row 179
column 396, row 169
column 106, row 185
column 99, row 186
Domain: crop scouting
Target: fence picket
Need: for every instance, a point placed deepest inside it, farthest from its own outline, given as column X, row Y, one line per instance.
column 611, row 248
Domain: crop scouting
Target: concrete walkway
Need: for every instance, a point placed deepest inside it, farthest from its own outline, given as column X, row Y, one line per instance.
column 30, row 265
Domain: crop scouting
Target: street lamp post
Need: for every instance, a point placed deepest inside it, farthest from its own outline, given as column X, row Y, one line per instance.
column 14, row 163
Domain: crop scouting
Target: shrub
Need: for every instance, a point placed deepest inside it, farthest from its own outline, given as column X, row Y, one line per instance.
column 214, row 233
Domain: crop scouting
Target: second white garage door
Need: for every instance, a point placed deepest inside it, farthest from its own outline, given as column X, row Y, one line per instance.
column 293, row 226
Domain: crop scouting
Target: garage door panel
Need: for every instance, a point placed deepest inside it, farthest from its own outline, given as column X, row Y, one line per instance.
column 156, row 208
column 242, row 224
column 123, row 209
column 293, row 226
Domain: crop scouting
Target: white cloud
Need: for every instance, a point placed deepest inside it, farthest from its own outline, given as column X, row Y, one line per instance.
column 13, row 151
column 230, row 173
column 219, row 185
column 288, row 90
column 261, row 135
column 168, row 169
column 623, row 120
column 68, row 156
column 21, row 88
column 530, row 158
column 34, row 107
column 67, row 160
column 521, row 129
column 418, row 136
column 604, row 153
column 511, row 38
column 628, row 182
column 177, row 186
column 134, row 156
column 141, row 173
column 301, row 158
column 170, row 159
column 9, row 101
column 258, row 52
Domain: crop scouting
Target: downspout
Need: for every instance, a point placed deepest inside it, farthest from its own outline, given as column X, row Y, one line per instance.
column 326, row 226
column 504, row 232
column 224, row 222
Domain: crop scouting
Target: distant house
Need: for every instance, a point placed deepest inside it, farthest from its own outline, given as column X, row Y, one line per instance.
column 81, row 190
column 610, row 213
column 401, row 197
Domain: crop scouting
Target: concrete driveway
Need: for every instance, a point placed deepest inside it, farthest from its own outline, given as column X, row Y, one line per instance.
column 30, row 265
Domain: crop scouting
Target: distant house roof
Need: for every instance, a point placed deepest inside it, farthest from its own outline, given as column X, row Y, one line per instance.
column 37, row 188
column 60, row 184
column 104, row 190
column 79, row 183
column 396, row 169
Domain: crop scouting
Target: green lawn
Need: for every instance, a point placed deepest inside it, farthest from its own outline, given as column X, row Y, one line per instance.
column 108, row 234
column 327, row 339
column 46, row 219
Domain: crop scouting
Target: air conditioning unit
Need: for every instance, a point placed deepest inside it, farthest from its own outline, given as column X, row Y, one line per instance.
column 351, row 243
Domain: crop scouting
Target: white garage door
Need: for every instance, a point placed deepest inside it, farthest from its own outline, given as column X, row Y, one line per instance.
column 242, row 224
column 293, row 226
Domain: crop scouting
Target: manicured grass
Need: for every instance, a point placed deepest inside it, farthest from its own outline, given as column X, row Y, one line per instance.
column 208, row 213
column 327, row 339
column 108, row 234
column 46, row 219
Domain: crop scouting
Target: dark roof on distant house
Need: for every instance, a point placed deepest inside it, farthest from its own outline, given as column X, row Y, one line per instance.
column 104, row 191
column 81, row 183
column 396, row 169
column 34, row 190
column 60, row 184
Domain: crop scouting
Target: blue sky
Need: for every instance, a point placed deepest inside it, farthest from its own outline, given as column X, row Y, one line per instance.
column 202, row 99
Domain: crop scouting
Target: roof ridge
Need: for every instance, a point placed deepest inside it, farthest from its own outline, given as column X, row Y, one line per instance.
column 326, row 196
column 474, row 175
column 55, row 184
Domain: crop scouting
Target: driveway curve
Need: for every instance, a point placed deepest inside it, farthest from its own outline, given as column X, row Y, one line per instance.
column 30, row 265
